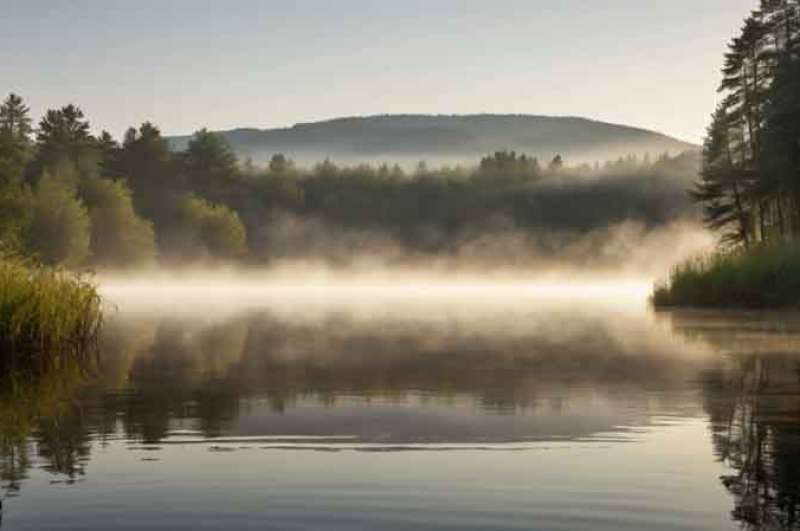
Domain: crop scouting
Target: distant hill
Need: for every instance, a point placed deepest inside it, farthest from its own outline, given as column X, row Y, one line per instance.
column 440, row 139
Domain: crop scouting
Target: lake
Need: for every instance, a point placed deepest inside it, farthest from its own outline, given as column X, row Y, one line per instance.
column 450, row 406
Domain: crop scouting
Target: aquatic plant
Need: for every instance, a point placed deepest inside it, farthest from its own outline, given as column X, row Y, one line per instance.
column 48, row 317
column 763, row 277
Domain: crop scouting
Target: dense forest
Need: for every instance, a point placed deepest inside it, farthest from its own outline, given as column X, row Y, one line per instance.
column 750, row 183
column 75, row 199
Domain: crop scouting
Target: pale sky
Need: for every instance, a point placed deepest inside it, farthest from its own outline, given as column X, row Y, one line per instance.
column 186, row 64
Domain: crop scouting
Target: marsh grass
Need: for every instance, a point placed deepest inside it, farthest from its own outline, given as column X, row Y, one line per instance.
column 48, row 318
column 764, row 277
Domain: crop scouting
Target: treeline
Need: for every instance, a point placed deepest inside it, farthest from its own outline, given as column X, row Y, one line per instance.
column 75, row 199
column 750, row 179
column 749, row 184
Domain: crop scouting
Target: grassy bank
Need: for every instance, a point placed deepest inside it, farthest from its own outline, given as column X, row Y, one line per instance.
column 48, row 317
column 765, row 277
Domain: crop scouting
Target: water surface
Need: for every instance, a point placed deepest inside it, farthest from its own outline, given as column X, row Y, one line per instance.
column 457, row 406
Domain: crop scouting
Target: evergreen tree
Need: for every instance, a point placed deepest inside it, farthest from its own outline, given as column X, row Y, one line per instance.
column 756, row 190
column 15, row 139
column 280, row 164
column 63, row 142
column 556, row 164
column 210, row 166
column 720, row 186
column 152, row 173
column 110, row 156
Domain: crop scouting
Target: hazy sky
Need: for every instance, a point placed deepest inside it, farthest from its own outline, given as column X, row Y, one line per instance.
column 186, row 64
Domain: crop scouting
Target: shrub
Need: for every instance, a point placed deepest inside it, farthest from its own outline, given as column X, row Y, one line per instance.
column 204, row 229
column 59, row 229
column 15, row 217
column 118, row 237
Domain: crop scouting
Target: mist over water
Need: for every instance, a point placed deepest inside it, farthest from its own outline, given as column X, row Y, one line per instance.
column 479, row 339
column 616, row 265
column 521, row 363
column 295, row 390
column 406, row 361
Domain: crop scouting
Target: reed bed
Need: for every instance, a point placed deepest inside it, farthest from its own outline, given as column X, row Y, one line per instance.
column 765, row 277
column 48, row 318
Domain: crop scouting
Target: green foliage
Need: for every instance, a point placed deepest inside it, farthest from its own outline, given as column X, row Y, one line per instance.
column 48, row 318
column 207, row 230
column 14, row 119
column 751, row 161
column 210, row 165
column 201, row 204
column 15, row 142
column 763, row 277
column 59, row 232
column 63, row 142
column 748, row 185
column 781, row 150
column 280, row 164
column 16, row 209
column 119, row 238
column 151, row 171
column 722, row 187
column 450, row 202
column 110, row 165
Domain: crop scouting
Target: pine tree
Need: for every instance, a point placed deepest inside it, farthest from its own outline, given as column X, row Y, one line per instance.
column 151, row 171
column 63, row 141
column 720, row 186
column 210, row 165
column 756, row 190
column 15, row 139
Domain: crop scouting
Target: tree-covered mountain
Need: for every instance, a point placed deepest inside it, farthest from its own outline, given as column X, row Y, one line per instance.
column 442, row 139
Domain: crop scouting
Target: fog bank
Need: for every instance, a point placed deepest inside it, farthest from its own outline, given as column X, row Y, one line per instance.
column 627, row 257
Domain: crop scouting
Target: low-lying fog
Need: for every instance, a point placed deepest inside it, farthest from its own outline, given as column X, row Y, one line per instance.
column 443, row 351
column 615, row 267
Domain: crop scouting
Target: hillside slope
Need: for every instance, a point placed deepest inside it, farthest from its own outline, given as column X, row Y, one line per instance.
column 447, row 139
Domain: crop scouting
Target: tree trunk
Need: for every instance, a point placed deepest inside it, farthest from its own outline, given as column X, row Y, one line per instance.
column 743, row 228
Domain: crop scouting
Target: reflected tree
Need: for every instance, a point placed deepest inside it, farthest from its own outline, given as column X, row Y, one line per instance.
column 755, row 416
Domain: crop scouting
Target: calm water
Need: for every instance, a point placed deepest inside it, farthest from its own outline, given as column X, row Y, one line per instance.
column 499, row 407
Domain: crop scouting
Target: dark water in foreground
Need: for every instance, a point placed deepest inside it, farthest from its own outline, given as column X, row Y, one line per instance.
column 456, row 410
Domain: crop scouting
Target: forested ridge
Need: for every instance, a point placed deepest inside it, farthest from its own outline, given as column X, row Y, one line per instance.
column 444, row 139
column 77, row 199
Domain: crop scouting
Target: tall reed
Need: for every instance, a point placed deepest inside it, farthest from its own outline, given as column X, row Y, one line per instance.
column 764, row 277
column 48, row 317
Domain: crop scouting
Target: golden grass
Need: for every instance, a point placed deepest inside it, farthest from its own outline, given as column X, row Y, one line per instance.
column 48, row 317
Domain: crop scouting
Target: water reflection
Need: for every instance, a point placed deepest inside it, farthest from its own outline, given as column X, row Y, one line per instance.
column 752, row 395
column 42, row 413
column 346, row 381
column 431, row 382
